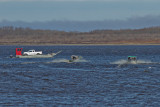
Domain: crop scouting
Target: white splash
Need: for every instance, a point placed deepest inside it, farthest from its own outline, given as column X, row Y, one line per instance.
column 144, row 62
column 122, row 61
column 29, row 62
column 59, row 60
column 67, row 61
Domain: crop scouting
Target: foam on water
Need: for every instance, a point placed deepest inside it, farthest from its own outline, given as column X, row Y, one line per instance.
column 67, row 61
column 80, row 60
column 144, row 62
column 122, row 61
column 29, row 62
column 59, row 61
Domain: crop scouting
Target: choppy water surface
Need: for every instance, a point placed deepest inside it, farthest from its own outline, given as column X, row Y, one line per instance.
column 101, row 78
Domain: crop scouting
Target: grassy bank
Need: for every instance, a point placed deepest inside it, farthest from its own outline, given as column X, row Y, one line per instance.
column 26, row 36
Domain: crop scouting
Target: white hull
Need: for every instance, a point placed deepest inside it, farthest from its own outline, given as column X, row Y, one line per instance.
column 38, row 56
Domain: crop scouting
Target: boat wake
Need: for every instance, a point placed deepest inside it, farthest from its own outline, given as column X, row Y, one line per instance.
column 67, row 61
column 145, row 62
column 119, row 62
column 59, row 61
column 29, row 62
column 122, row 61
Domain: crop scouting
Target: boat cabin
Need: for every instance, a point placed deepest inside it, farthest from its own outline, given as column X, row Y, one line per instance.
column 18, row 51
column 74, row 57
column 132, row 58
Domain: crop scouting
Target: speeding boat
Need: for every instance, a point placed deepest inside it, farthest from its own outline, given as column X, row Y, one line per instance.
column 74, row 58
column 132, row 59
column 32, row 54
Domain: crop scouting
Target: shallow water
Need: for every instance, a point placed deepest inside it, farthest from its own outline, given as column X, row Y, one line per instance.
column 101, row 78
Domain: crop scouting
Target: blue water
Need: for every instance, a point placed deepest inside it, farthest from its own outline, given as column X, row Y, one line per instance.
column 100, row 78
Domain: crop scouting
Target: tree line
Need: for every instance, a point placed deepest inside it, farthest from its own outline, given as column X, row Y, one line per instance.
column 25, row 36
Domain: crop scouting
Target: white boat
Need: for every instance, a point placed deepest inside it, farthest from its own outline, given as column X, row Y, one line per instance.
column 20, row 55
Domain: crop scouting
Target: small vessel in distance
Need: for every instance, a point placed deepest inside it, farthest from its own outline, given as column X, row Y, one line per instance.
column 33, row 54
column 132, row 59
column 74, row 58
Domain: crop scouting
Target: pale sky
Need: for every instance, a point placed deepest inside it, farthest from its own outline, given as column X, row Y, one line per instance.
column 76, row 10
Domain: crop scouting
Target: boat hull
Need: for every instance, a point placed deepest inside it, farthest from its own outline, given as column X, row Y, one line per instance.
column 36, row 56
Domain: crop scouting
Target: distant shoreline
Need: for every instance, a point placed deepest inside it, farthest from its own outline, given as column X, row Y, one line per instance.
column 73, row 44
column 24, row 36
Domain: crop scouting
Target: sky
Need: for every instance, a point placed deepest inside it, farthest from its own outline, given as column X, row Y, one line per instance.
column 77, row 10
